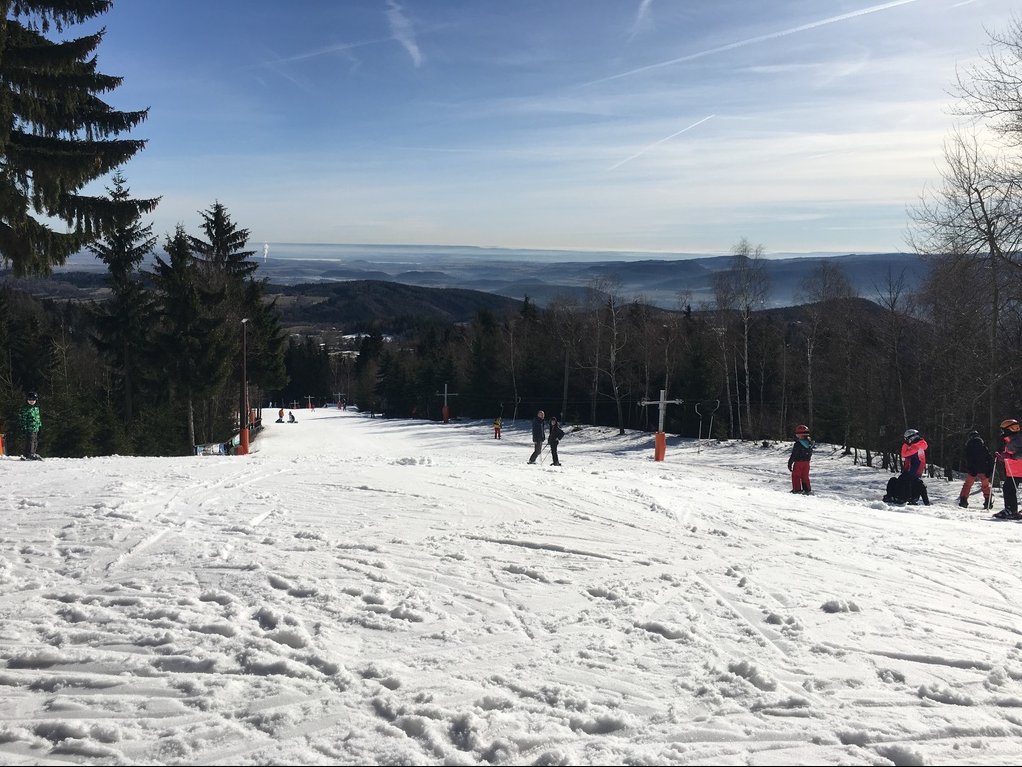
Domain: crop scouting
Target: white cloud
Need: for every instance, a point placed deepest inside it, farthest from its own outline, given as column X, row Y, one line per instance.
column 403, row 31
column 641, row 18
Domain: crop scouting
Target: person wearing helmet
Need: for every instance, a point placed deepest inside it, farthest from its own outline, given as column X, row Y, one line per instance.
column 1011, row 456
column 978, row 463
column 913, row 464
column 798, row 461
column 30, row 422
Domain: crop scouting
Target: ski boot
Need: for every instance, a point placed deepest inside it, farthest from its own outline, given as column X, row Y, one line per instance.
column 963, row 502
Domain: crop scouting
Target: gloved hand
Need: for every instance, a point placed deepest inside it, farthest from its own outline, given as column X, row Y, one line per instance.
column 1000, row 455
column 791, row 465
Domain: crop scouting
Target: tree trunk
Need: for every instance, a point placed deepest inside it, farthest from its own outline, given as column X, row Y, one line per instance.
column 564, row 393
column 191, row 423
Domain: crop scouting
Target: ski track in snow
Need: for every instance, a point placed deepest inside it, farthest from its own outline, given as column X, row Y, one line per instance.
column 372, row 591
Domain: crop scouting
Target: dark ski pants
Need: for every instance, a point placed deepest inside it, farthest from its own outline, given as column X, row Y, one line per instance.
column 1010, row 489
column 31, row 443
column 553, row 452
column 536, row 452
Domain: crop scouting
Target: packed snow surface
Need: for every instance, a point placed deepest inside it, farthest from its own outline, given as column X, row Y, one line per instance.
column 373, row 591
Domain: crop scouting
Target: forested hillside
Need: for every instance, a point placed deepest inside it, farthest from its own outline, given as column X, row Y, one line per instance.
column 392, row 306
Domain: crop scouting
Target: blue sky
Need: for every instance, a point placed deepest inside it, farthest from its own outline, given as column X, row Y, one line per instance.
column 684, row 125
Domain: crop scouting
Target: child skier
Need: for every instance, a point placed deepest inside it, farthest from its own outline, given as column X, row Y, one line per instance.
column 978, row 463
column 798, row 462
column 1011, row 456
column 497, row 423
column 30, row 422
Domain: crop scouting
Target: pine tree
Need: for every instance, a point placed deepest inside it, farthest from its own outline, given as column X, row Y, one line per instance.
column 56, row 134
column 125, row 321
column 225, row 264
column 222, row 254
column 266, row 339
column 190, row 339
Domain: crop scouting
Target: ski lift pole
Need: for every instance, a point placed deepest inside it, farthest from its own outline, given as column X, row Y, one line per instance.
column 699, row 436
column 445, row 411
column 716, row 407
column 660, row 448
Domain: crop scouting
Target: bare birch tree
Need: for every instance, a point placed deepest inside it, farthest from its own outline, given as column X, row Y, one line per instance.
column 975, row 215
column 743, row 288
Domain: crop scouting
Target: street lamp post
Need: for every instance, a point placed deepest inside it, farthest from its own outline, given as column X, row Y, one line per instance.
column 243, row 421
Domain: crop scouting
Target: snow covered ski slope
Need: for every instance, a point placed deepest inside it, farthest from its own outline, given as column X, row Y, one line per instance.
column 364, row 590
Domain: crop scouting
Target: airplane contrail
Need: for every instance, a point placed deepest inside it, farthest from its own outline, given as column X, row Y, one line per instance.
column 661, row 141
column 759, row 39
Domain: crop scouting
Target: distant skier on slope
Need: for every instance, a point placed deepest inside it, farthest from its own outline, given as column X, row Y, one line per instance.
column 538, row 435
column 909, row 486
column 978, row 463
column 30, row 422
column 1011, row 456
column 556, row 435
column 798, row 461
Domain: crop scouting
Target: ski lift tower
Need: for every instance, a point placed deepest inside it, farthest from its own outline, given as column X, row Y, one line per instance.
column 660, row 448
column 445, row 412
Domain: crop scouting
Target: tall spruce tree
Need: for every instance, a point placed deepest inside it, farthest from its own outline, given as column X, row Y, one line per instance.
column 190, row 339
column 125, row 321
column 266, row 339
column 225, row 265
column 56, row 134
column 222, row 254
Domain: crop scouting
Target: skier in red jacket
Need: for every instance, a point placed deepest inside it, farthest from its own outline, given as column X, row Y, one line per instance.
column 1011, row 456
column 913, row 464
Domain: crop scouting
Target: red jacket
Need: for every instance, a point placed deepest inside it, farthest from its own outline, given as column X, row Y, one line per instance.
column 1012, row 455
column 913, row 457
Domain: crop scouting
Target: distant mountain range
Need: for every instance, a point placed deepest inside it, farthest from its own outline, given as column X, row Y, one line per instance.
column 666, row 283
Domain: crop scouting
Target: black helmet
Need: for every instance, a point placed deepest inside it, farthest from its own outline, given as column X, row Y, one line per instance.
column 974, row 434
column 31, row 395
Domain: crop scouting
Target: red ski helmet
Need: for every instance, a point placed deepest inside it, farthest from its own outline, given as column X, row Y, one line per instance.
column 801, row 430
